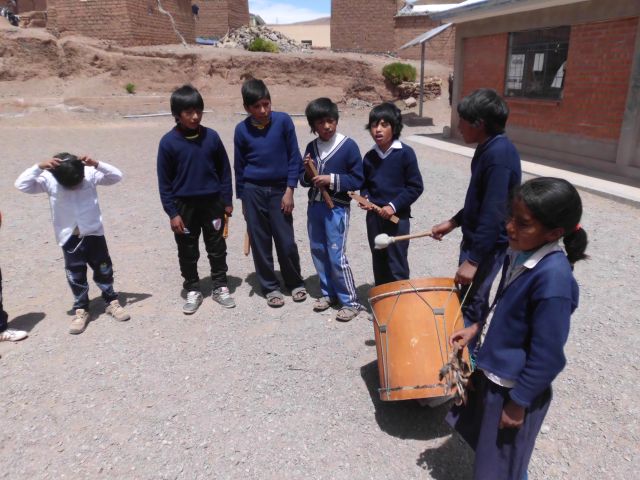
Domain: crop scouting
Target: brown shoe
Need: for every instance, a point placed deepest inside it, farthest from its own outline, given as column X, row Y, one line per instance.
column 79, row 322
column 116, row 311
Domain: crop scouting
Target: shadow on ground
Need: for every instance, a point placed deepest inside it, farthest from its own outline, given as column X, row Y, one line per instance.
column 27, row 321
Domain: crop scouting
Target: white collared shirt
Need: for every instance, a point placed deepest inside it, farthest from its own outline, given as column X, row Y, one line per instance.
column 396, row 145
column 324, row 150
column 71, row 208
column 515, row 270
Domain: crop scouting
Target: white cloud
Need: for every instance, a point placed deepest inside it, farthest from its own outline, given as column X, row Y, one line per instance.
column 282, row 13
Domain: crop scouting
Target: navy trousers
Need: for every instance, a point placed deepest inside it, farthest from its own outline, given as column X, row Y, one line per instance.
column 206, row 215
column 476, row 305
column 268, row 225
column 501, row 454
column 78, row 253
column 391, row 263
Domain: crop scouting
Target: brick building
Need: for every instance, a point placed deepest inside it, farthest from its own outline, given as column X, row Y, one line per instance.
column 30, row 5
column 217, row 17
column 128, row 22
column 570, row 71
column 381, row 26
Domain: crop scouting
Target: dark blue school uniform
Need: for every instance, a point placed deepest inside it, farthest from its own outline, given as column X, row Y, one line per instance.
column 521, row 355
column 495, row 171
column 392, row 178
column 267, row 161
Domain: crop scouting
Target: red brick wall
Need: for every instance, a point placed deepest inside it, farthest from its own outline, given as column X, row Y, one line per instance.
column 440, row 49
column 217, row 17
column 128, row 22
column 363, row 25
column 31, row 5
column 596, row 80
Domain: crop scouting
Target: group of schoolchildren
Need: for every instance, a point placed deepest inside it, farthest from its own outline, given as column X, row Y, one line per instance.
column 516, row 342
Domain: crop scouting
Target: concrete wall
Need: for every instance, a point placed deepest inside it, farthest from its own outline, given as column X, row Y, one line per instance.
column 217, row 17
column 128, row 22
column 319, row 35
column 598, row 117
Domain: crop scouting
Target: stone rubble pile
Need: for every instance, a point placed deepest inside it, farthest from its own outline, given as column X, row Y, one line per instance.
column 432, row 89
column 243, row 36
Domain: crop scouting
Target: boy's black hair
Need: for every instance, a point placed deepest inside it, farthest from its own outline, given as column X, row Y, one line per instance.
column 70, row 172
column 321, row 108
column 487, row 106
column 388, row 112
column 184, row 98
column 554, row 202
column 254, row 90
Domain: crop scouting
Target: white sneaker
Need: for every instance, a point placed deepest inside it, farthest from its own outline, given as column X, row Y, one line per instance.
column 12, row 335
column 194, row 300
column 79, row 322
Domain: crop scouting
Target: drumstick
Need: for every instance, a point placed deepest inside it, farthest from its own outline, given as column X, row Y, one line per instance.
column 383, row 240
column 225, row 232
column 312, row 171
column 246, row 248
column 366, row 203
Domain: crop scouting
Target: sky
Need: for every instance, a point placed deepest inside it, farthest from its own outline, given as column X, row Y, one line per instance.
column 290, row 11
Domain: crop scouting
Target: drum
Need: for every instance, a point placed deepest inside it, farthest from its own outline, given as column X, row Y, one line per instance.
column 413, row 320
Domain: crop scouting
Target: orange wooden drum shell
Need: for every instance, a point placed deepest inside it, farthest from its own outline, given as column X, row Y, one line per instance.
column 413, row 320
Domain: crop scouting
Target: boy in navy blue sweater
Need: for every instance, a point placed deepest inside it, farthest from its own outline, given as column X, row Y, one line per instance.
column 267, row 164
column 339, row 164
column 392, row 180
column 194, row 178
column 495, row 171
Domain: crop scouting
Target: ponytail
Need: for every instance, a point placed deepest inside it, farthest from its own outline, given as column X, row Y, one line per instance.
column 575, row 244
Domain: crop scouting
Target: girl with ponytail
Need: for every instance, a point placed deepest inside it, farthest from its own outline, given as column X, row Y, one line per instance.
column 524, row 334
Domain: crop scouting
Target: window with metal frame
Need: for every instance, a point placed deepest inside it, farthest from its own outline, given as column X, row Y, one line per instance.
column 537, row 62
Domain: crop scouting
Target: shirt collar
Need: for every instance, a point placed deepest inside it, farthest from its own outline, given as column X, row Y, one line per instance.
column 396, row 145
column 539, row 254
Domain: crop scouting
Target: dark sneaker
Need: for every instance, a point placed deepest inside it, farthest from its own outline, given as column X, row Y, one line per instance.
column 222, row 296
column 194, row 300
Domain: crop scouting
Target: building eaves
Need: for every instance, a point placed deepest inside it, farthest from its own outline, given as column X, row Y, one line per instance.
column 481, row 9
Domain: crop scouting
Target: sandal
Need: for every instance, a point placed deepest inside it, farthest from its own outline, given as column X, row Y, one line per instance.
column 275, row 299
column 299, row 294
column 346, row 314
column 321, row 304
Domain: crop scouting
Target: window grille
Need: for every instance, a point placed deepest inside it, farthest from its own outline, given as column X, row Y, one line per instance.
column 536, row 63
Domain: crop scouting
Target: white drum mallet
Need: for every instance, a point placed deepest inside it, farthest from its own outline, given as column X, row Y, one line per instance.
column 383, row 240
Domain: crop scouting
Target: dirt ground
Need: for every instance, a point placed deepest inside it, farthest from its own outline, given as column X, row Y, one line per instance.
column 255, row 392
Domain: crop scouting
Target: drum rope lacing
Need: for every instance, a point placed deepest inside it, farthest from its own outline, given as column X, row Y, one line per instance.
column 456, row 369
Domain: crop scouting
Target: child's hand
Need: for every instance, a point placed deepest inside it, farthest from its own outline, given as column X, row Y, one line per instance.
column 49, row 164
column 512, row 415
column 465, row 335
column 321, row 181
column 286, row 205
column 386, row 212
column 177, row 225
column 465, row 273
column 88, row 161
column 229, row 210
column 440, row 230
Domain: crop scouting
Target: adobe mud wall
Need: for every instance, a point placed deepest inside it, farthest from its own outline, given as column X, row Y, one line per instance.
column 127, row 22
column 217, row 17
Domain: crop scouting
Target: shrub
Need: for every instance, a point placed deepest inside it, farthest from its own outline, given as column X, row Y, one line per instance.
column 397, row 72
column 263, row 45
column 130, row 88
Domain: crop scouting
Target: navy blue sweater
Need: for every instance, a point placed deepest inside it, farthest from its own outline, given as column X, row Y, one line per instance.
column 192, row 168
column 345, row 162
column 395, row 179
column 495, row 170
column 530, row 326
column 266, row 157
